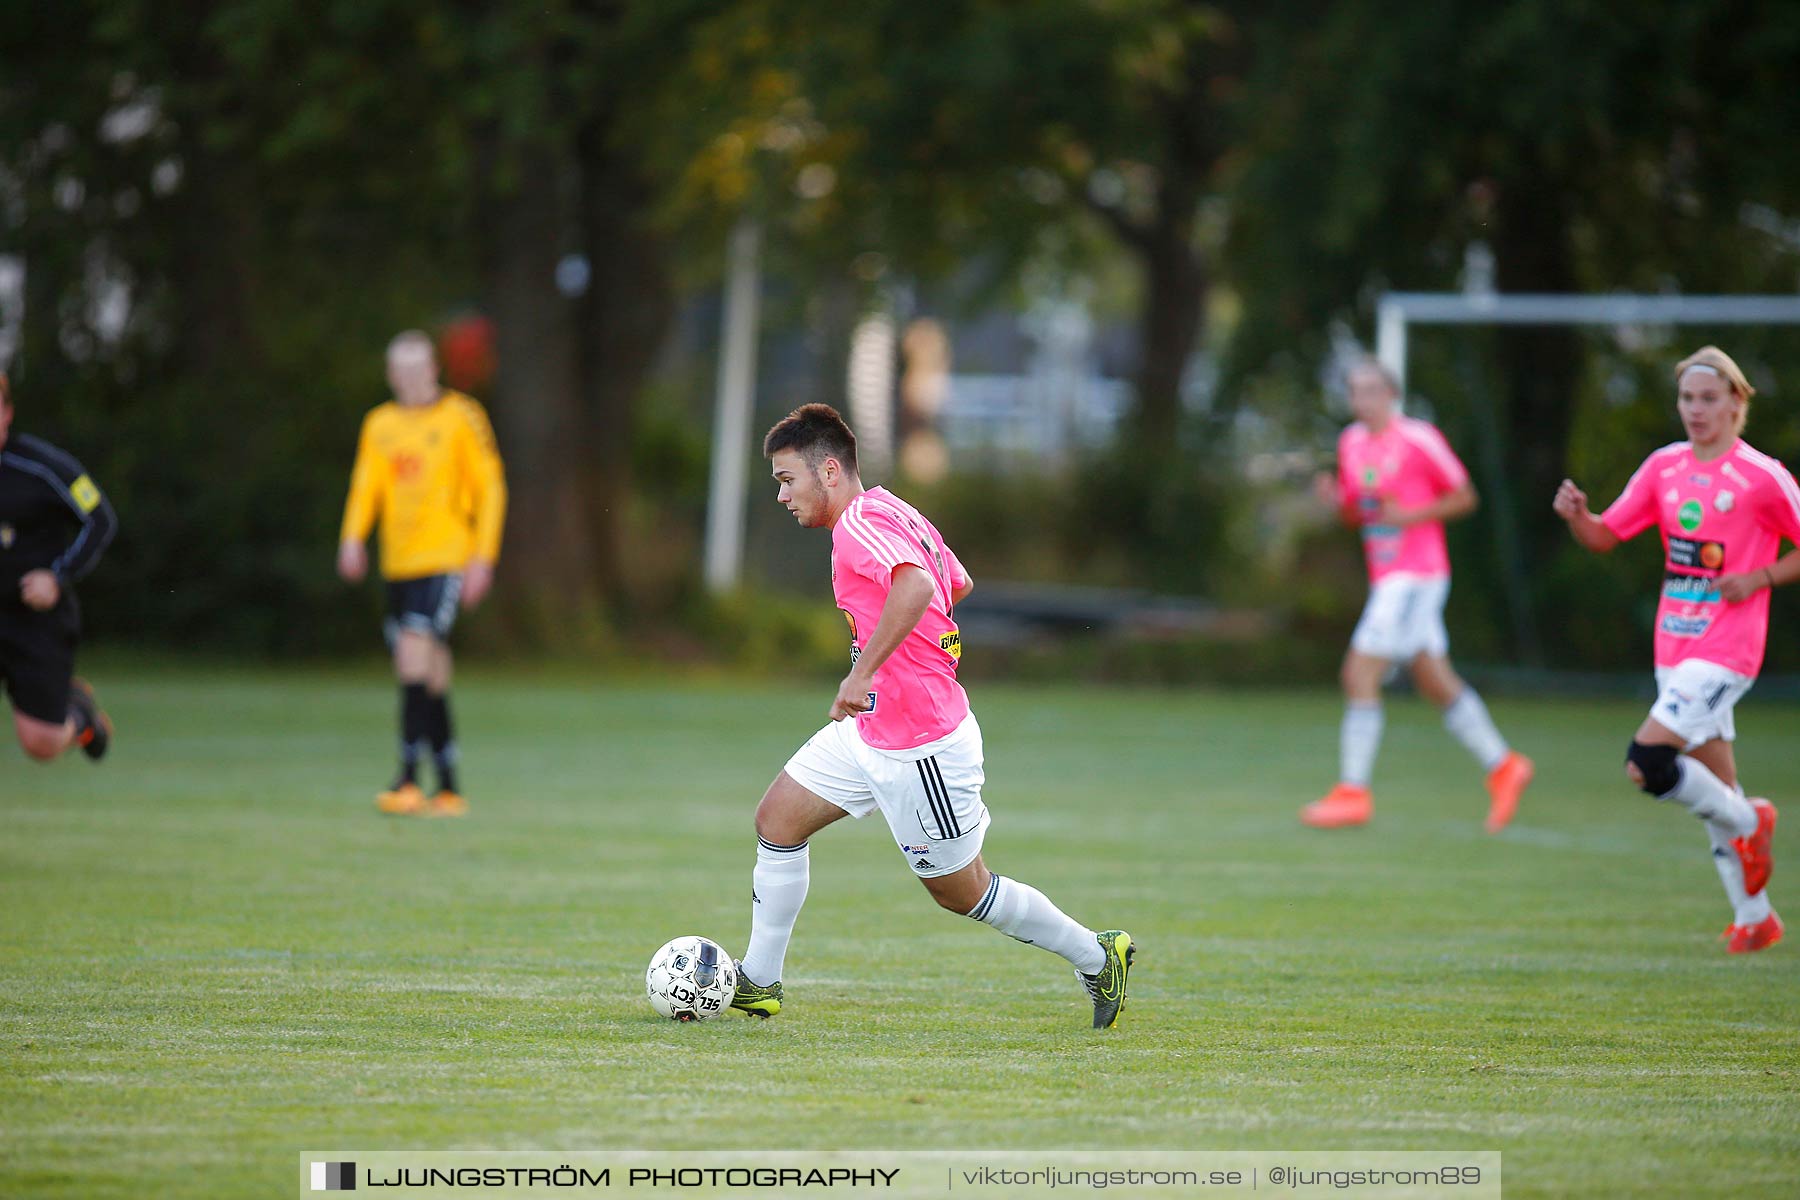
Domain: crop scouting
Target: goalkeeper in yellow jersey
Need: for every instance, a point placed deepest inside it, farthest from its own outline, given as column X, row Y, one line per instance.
column 427, row 467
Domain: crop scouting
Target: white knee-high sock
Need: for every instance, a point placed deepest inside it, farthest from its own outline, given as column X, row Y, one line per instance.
column 1745, row 910
column 1021, row 911
column 1467, row 719
column 1706, row 796
column 1359, row 737
column 777, row 889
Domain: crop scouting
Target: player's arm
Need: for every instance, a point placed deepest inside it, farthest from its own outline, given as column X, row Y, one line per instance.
column 43, row 588
column 1781, row 515
column 1453, row 505
column 1571, row 504
column 1329, row 490
column 488, row 479
column 907, row 600
column 367, row 482
column 1738, row 588
column 1453, row 494
column 961, row 582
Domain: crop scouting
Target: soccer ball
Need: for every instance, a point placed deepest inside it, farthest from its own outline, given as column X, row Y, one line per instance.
column 690, row 979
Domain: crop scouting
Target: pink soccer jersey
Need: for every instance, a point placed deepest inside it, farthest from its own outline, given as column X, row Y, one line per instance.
column 1721, row 517
column 916, row 698
column 1410, row 464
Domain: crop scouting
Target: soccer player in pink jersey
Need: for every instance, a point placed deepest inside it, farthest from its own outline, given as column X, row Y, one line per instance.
column 900, row 737
column 1397, row 482
column 1723, row 508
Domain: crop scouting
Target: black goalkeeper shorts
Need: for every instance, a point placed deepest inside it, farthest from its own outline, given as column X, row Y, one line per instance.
column 424, row 605
column 37, row 658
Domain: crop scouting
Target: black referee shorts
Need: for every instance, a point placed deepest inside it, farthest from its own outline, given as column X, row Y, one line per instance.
column 427, row 605
column 37, row 658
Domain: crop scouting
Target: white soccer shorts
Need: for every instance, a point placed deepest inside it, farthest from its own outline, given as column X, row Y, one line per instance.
column 1404, row 618
column 931, row 796
column 1695, row 699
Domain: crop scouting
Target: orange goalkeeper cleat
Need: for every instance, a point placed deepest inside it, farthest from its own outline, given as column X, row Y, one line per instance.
column 1505, row 783
column 406, row 800
column 446, row 804
column 1345, row 804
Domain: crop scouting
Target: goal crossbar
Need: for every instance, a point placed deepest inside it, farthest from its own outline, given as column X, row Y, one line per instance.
column 1398, row 311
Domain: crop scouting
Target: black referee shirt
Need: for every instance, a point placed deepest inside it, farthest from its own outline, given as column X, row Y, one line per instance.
column 52, row 517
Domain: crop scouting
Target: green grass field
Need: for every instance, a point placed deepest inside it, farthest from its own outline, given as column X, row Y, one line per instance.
column 214, row 954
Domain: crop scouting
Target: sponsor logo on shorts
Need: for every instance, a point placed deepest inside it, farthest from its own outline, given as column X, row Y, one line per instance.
column 924, row 864
column 905, row 849
column 1687, row 552
column 1691, row 589
column 1690, row 515
column 951, row 643
column 1685, row 627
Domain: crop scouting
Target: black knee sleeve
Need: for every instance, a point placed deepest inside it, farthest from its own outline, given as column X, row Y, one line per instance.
column 1657, row 763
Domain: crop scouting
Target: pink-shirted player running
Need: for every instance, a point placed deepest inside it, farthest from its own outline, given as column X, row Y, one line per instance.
column 901, row 737
column 1398, row 481
column 1723, row 509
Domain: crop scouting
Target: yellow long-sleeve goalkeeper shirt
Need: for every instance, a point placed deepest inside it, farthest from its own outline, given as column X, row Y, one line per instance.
column 432, row 474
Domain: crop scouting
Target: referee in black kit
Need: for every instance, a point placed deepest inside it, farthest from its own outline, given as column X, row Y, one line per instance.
column 54, row 524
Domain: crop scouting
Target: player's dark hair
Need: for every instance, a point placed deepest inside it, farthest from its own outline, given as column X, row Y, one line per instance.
column 817, row 433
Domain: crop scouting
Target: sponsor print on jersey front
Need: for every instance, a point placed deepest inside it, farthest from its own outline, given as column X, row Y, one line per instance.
column 1692, row 597
column 1722, row 517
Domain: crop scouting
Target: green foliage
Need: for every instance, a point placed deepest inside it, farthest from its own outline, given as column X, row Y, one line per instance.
column 777, row 635
column 279, row 188
column 1107, row 520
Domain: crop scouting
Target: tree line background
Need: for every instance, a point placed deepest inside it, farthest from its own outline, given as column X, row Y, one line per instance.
column 224, row 208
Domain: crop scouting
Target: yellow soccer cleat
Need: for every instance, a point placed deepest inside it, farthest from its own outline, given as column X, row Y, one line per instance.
column 756, row 999
column 1107, row 987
